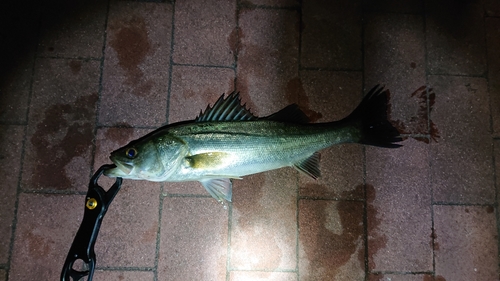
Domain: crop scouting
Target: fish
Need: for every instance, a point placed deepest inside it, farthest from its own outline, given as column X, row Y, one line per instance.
column 227, row 142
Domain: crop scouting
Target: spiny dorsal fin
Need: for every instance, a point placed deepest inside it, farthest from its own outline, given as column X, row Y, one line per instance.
column 309, row 165
column 226, row 109
column 291, row 113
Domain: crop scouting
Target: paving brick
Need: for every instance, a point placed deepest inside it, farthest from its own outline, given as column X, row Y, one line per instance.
column 268, row 58
column 331, row 240
column 193, row 244
column 399, row 208
column 331, row 34
column 394, row 52
column 262, row 276
column 455, row 37
column 327, row 96
column 73, row 30
column 3, row 275
column 135, row 75
column 400, row 277
column 193, row 88
column 466, row 242
column 10, row 161
column 461, row 161
column 395, row 57
column 493, row 44
column 61, row 125
column 129, row 230
column 46, row 226
column 263, row 232
column 393, row 6
column 124, row 275
column 205, row 32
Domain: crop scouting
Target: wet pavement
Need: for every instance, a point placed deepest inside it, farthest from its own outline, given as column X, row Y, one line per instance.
column 80, row 79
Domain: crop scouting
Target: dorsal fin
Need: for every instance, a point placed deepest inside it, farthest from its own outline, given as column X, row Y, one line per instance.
column 291, row 113
column 226, row 109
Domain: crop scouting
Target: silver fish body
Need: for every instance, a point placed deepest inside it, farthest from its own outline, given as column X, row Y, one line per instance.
column 227, row 142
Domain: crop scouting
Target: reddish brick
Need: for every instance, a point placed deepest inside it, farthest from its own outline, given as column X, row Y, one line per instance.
column 73, row 29
column 399, row 208
column 129, row 231
column 466, row 242
column 455, row 37
column 263, row 233
column 46, row 226
column 205, row 32
column 135, row 76
column 3, row 275
column 262, row 276
column 61, row 125
column 268, row 59
column 327, row 96
column 10, row 161
column 193, row 88
column 331, row 240
column 493, row 44
column 193, row 244
column 461, row 161
column 395, row 57
column 331, row 34
column 124, row 275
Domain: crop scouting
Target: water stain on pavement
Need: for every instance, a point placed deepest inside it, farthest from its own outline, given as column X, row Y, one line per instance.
column 419, row 127
column 65, row 132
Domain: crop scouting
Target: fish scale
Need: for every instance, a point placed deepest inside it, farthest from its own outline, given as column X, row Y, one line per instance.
column 228, row 142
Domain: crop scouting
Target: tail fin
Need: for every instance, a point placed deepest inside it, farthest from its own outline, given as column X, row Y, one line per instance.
column 376, row 129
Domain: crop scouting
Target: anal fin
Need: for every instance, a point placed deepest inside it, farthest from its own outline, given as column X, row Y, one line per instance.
column 309, row 165
column 220, row 189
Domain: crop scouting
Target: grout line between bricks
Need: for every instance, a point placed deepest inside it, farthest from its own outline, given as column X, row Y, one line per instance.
column 235, row 83
column 203, row 65
column 363, row 150
column 158, row 233
column 429, row 151
column 73, row 58
column 99, row 92
column 23, row 152
column 493, row 147
column 171, row 64
column 440, row 203
column 403, row 272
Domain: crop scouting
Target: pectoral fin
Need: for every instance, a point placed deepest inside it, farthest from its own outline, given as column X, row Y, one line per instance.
column 207, row 159
column 309, row 165
column 220, row 189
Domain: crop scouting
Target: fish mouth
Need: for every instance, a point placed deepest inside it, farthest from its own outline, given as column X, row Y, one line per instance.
column 121, row 169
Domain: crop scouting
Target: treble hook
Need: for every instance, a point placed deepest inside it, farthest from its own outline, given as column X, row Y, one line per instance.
column 97, row 202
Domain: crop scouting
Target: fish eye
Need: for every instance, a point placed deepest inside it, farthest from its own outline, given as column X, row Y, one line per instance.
column 131, row 152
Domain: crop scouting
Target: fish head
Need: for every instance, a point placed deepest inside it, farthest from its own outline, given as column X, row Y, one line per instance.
column 147, row 159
